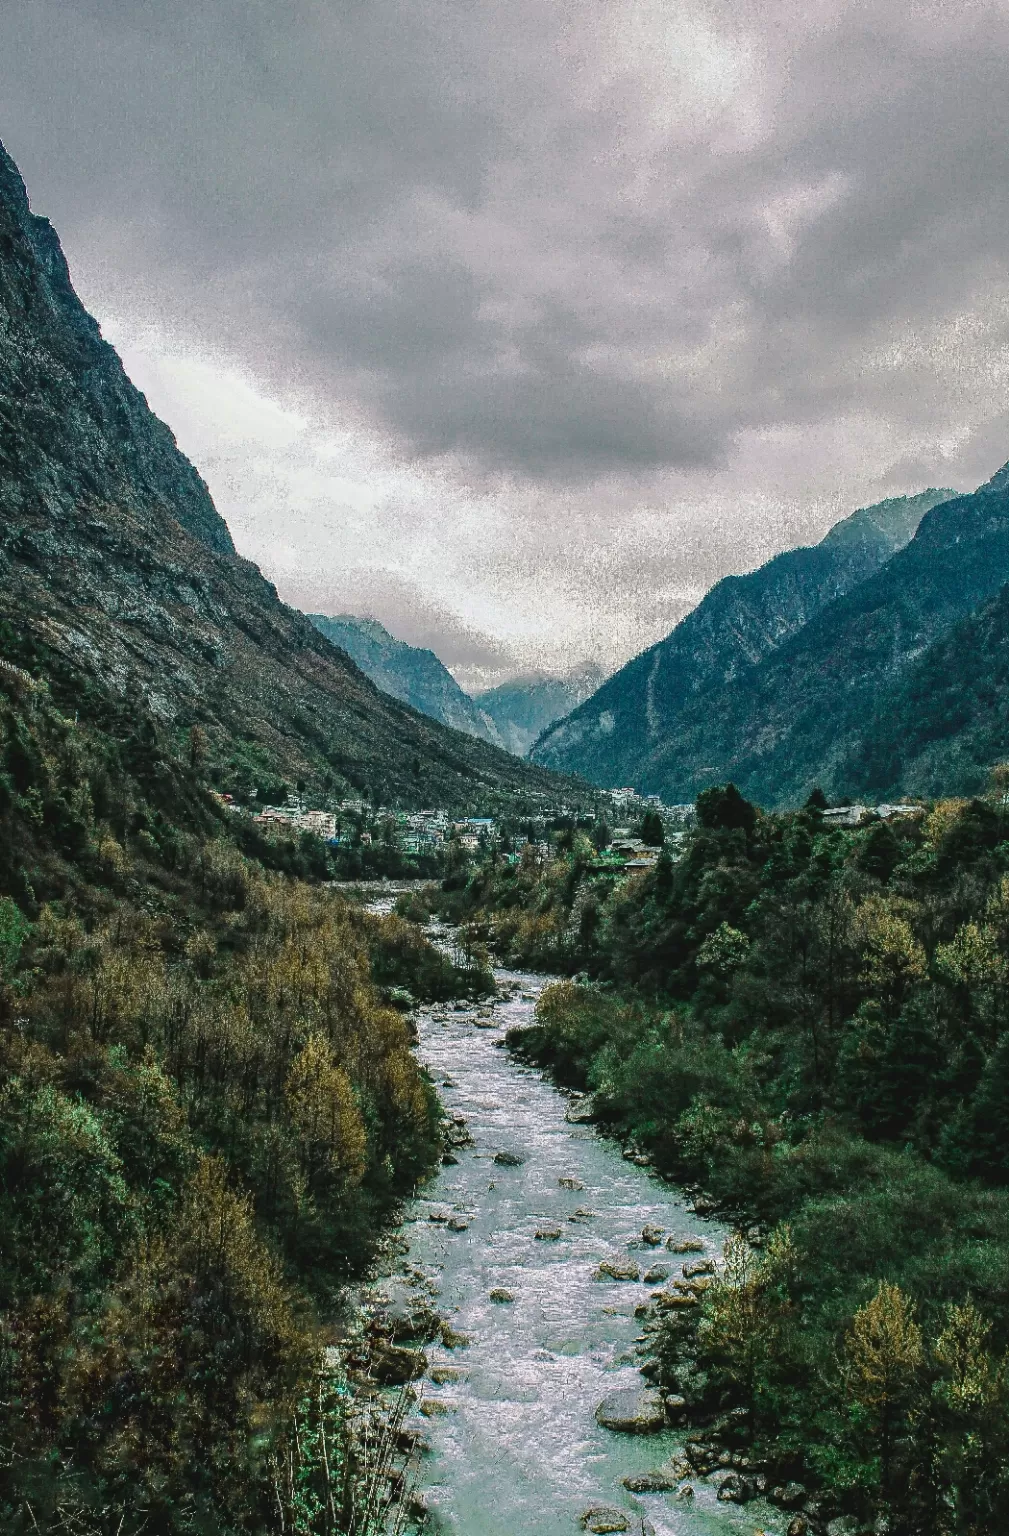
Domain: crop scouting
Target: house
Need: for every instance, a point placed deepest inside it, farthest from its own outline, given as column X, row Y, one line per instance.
column 846, row 815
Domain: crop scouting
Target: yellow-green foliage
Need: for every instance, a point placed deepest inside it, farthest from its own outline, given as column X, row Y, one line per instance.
column 202, row 1122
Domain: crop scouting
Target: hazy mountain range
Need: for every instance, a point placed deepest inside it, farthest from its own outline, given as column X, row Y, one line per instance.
column 511, row 716
column 408, row 673
column 524, row 707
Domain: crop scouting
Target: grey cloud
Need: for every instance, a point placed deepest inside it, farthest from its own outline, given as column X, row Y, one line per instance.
column 466, row 224
column 406, row 612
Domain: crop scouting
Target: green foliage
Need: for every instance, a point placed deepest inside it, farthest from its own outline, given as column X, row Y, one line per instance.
column 207, row 1112
column 812, row 1025
column 14, row 929
column 652, row 830
column 726, row 808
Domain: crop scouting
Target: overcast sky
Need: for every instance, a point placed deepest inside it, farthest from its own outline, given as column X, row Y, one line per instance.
column 516, row 324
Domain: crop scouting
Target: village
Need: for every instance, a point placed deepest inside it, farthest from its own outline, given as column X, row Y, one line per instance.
column 643, row 826
column 628, row 832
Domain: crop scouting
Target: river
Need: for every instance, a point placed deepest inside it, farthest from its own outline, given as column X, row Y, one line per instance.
column 515, row 1449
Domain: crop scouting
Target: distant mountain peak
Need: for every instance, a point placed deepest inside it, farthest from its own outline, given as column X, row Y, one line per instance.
column 409, row 673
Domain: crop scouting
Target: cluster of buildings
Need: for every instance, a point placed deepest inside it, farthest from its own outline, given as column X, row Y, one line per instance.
column 322, row 823
column 414, row 832
column 628, row 800
column 854, row 815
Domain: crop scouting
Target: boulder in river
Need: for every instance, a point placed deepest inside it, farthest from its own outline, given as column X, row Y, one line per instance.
column 656, row 1480
column 632, row 1411
column 509, row 1159
column 684, row 1245
column 651, row 1236
column 669, row 1301
column 581, row 1112
column 656, row 1274
column 453, row 1340
column 736, row 1489
column 394, row 1366
column 571, row 1183
column 548, row 1234
column 406, row 1319
column 601, row 1518
column 502, row 1294
column 790, row 1496
column 457, row 1224
column 618, row 1269
column 444, row 1374
column 698, row 1267
column 435, row 1407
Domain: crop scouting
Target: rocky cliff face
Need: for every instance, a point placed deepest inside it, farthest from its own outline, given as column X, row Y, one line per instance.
column 620, row 730
column 119, row 581
column 409, row 673
column 73, row 429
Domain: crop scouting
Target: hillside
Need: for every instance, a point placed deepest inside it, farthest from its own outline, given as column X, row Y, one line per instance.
column 945, row 720
column 820, row 708
column 409, row 673
column 122, row 588
column 615, row 734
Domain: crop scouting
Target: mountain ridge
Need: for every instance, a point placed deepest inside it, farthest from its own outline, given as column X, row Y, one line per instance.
column 410, row 673
column 801, row 716
column 121, row 583
column 740, row 621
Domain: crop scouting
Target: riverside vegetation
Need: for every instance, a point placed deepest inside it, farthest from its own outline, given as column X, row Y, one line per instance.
column 208, row 1110
column 810, row 1025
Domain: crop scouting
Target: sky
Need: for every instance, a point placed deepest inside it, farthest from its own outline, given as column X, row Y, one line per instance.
column 517, row 324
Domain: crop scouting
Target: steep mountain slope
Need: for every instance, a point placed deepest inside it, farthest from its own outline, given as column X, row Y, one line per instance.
column 409, row 673
column 812, row 710
column 616, row 732
column 120, row 584
column 945, row 721
column 523, row 708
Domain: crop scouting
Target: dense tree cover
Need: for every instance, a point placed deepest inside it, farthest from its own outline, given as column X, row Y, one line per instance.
column 208, row 1108
column 812, row 1025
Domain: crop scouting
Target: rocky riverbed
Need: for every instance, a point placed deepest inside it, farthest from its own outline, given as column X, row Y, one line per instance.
column 512, row 1310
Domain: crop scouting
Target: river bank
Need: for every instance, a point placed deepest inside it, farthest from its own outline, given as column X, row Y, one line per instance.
column 517, row 1244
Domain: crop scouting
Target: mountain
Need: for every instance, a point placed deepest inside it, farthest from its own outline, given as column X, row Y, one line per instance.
column 410, row 674
column 849, row 701
column 122, row 589
column 945, row 720
column 616, row 734
column 523, row 708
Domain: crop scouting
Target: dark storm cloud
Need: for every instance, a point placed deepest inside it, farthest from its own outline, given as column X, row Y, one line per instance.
column 556, row 241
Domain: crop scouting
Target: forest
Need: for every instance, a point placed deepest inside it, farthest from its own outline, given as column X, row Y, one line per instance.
column 209, row 1113
column 808, row 1026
